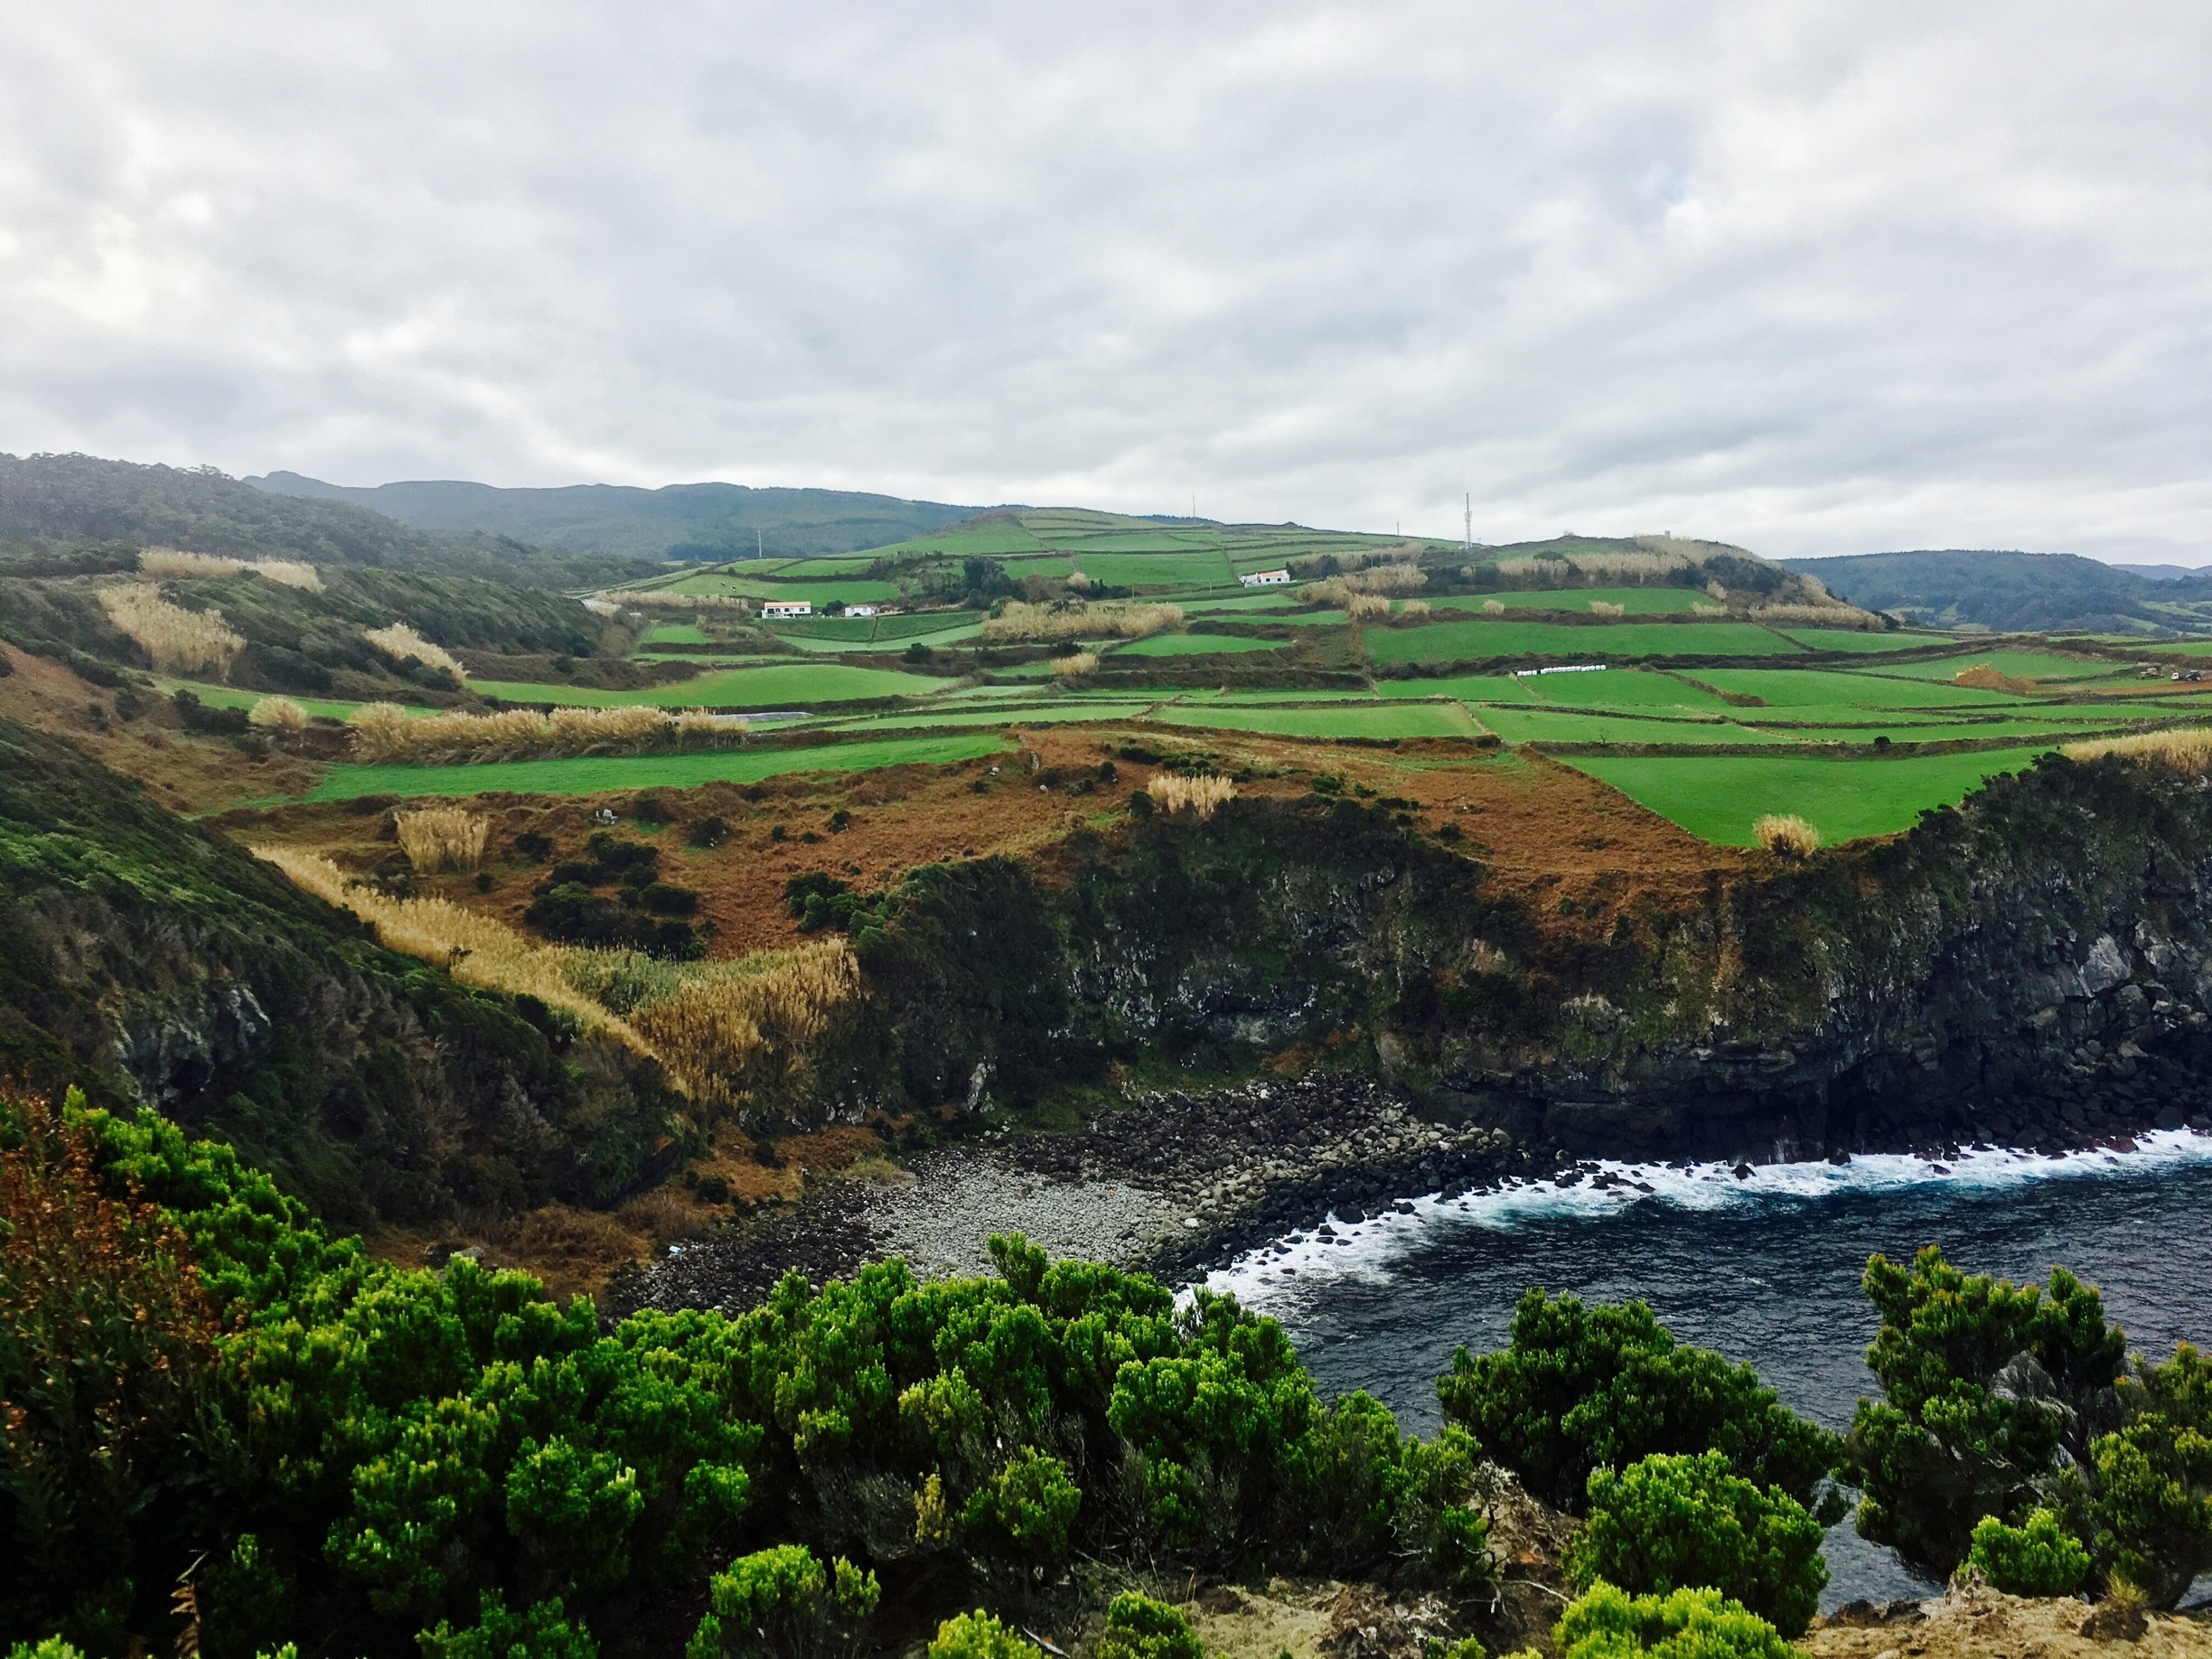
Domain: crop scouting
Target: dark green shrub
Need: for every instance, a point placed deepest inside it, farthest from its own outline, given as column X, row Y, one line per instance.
column 978, row 1635
column 1675, row 1523
column 1139, row 1628
column 707, row 833
column 1582, row 1388
column 2152, row 1509
column 1984, row 1383
column 2036, row 1558
column 1607, row 1623
column 785, row 1602
column 544, row 1632
column 1025, row 1508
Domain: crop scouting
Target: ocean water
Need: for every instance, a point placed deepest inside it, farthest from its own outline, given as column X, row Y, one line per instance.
column 1763, row 1268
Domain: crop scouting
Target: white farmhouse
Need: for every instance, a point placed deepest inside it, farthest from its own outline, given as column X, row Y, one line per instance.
column 773, row 608
column 1266, row 578
column 859, row 610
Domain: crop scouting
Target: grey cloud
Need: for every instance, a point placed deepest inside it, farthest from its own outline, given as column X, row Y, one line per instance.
column 1819, row 280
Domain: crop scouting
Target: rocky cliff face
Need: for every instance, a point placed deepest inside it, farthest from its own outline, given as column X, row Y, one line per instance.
column 2034, row 966
column 152, row 962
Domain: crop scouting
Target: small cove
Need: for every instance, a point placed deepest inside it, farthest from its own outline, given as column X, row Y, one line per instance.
column 1765, row 1269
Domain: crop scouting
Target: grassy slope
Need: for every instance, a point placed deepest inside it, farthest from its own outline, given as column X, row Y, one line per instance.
column 753, row 688
column 1718, row 797
column 1470, row 642
column 596, row 774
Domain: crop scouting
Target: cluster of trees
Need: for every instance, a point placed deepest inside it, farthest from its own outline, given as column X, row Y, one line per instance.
column 644, row 913
column 203, row 1387
column 343, row 1445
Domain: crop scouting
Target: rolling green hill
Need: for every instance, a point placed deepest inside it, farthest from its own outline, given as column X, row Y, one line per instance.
column 686, row 521
column 2017, row 592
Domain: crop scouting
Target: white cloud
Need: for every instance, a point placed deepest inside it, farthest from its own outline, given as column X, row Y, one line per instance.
column 1818, row 279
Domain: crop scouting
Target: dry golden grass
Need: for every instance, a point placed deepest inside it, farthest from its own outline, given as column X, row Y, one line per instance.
column 400, row 642
column 1634, row 568
column 175, row 562
column 383, row 734
column 1414, row 607
column 1072, row 668
column 277, row 714
column 1786, row 834
column 438, row 838
column 730, row 1035
column 1606, row 608
column 1344, row 591
column 1697, row 609
column 1494, row 608
column 1124, row 620
column 731, row 1030
column 180, row 642
column 476, row 950
column 1366, row 607
column 1176, row 790
column 2186, row 750
column 1550, row 567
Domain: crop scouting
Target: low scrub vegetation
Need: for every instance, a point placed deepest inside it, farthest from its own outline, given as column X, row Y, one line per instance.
column 277, row 714
column 1176, row 791
column 171, row 562
column 438, row 838
column 2185, row 750
column 1124, row 620
column 1074, row 667
column 384, row 734
column 401, row 644
column 732, row 1033
column 176, row 641
column 1786, row 834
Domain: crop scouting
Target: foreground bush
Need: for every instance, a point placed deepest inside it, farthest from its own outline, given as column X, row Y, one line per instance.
column 1139, row 1628
column 782, row 1601
column 1580, row 1388
column 2040, row 1558
column 1607, row 1623
column 979, row 1636
column 1786, row 835
column 2001, row 1400
column 1676, row 1523
column 451, row 1457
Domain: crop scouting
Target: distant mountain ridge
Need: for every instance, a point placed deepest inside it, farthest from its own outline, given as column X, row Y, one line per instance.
column 59, row 511
column 712, row 521
column 2013, row 592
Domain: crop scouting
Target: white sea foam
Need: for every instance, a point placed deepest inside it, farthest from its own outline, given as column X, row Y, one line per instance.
column 1308, row 1259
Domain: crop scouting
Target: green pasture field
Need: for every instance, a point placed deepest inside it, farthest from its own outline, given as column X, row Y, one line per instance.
column 1369, row 720
column 1637, row 600
column 1602, row 726
column 1859, row 639
column 597, row 775
column 1322, row 619
column 1196, row 645
column 1179, row 568
column 1622, row 689
column 673, row 633
column 1023, row 714
column 744, row 584
column 1848, row 688
column 1468, row 688
column 1461, row 641
column 752, row 688
column 2018, row 664
column 835, row 565
column 1718, row 796
column 230, row 696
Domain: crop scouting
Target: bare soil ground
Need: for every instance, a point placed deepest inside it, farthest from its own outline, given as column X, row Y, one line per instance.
column 1976, row 1622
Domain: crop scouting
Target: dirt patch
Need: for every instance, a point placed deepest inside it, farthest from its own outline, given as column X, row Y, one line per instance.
column 1976, row 1622
column 184, row 772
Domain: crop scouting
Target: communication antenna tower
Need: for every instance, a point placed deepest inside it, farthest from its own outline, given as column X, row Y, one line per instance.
column 1470, row 522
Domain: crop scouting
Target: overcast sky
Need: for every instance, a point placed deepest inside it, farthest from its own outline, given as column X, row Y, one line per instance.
column 1814, row 278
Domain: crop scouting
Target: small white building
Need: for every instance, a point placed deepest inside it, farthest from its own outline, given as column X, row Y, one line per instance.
column 773, row 608
column 859, row 610
column 1266, row 578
